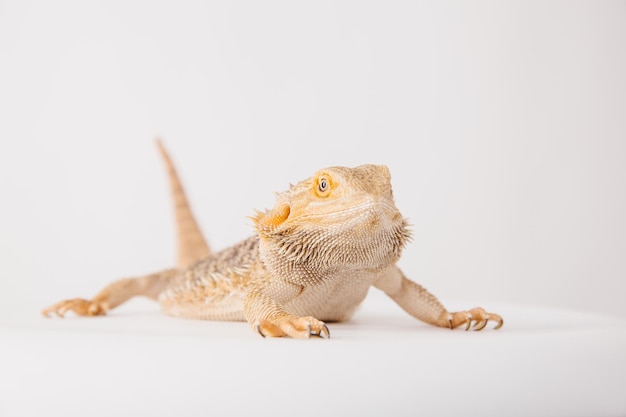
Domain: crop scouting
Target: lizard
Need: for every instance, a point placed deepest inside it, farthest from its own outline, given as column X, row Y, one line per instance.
column 311, row 261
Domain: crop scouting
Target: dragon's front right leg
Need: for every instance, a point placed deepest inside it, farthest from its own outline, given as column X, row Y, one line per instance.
column 268, row 318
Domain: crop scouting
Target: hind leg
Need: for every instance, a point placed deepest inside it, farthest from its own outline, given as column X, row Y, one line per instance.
column 113, row 295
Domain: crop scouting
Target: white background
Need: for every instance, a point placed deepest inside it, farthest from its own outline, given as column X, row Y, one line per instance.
column 503, row 125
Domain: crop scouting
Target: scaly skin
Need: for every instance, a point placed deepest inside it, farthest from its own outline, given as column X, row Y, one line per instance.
column 312, row 260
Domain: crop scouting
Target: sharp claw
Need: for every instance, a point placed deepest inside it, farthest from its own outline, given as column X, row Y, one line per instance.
column 475, row 319
column 484, row 324
column 325, row 331
column 258, row 329
column 469, row 322
column 500, row 323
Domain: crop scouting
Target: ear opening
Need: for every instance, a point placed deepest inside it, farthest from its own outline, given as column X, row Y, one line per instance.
column 267, row 222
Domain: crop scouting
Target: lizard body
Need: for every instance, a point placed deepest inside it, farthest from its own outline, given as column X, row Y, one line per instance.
column 312, row 260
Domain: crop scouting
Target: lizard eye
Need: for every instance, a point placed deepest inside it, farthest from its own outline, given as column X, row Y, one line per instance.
column 323, row 185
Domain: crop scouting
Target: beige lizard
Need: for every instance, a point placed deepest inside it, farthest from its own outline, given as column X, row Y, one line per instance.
column 312, row 260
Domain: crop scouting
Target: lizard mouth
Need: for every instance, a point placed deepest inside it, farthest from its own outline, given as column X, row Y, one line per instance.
column 373, row 213
column 346, row 214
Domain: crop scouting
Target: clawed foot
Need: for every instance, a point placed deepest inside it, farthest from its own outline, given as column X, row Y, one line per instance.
column 77, row 305
column 296, row 327
column 476, row 318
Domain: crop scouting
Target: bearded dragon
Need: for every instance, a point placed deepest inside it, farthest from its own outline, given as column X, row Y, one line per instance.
column 312, row 259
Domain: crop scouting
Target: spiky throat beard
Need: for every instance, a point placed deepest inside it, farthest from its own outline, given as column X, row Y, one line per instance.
column 365, row 241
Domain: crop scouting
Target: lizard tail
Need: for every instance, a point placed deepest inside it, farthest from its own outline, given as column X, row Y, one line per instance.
column 191, row 244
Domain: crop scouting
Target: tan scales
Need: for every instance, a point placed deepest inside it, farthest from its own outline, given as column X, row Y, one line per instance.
column 312, row 260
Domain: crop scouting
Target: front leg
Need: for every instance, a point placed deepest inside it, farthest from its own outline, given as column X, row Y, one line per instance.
column 424, row 306
column 268, row 318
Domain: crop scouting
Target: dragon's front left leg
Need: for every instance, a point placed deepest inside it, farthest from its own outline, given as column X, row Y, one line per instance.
column 423, row 305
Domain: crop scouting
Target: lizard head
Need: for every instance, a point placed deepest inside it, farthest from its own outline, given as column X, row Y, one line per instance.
column 339, row 216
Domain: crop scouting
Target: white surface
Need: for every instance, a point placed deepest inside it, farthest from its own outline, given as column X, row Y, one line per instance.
column 544, row 362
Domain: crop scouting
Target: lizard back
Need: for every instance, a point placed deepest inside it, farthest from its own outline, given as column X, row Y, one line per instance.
column 213, row 288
